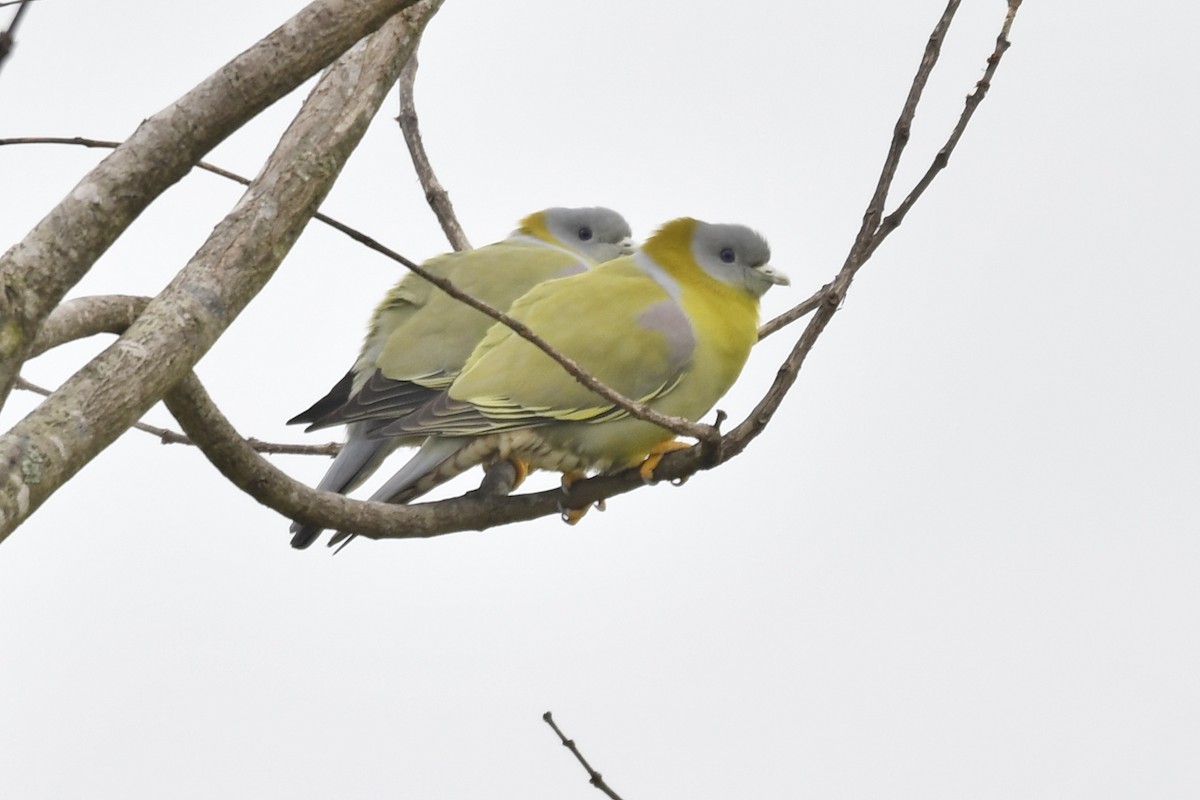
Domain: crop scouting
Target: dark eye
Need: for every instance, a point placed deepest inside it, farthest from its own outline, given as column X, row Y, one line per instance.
column 727, row 255
column 585, row 233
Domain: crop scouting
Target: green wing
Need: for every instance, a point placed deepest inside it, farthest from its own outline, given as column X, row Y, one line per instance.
column 510, row 383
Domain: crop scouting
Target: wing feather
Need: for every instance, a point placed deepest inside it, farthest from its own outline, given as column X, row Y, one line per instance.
column 645, row 362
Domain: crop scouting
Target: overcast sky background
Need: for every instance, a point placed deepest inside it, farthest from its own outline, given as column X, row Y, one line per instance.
column 964, row 561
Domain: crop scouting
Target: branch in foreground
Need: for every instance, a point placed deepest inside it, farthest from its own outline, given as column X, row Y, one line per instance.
column 237, row 461
column 36, row 273
column 593, row 776
column 435, row 194
column 678, row 425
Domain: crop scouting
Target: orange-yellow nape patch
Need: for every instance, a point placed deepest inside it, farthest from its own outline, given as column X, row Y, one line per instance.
column 671, row 244
column 535, row 225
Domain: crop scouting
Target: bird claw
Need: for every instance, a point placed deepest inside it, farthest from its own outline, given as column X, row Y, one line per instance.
column 571, row 516
column 646, row 470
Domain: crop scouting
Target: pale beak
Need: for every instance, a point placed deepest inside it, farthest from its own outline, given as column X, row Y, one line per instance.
column 773, row 275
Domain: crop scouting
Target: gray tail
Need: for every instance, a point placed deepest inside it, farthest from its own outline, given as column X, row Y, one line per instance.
column 359, row 459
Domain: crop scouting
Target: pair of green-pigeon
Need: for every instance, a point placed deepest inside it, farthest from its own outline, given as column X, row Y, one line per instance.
column 670, row 324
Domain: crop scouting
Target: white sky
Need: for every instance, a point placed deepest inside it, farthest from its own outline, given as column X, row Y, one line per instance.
column 963, row 562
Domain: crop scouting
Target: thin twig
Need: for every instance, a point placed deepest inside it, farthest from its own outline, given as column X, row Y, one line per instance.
column 893, row 220
column 168, row 436
column 900, row 135
column 798, row 311
column 435, row 194
column 82, row 141
column 678, row 425
column 593, row 777
column 829, row 299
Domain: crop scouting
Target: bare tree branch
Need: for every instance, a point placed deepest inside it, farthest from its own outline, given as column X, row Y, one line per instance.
column 117, row 387
column 873, row 231
column 798, row 311
column 168, row 436
column 893, row 220
column 593, row 776
column 87, row 316
column 36, row 273
column 435, row 194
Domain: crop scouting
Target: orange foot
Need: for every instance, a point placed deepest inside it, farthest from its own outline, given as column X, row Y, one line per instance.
column 573, row 515
column 646, row 470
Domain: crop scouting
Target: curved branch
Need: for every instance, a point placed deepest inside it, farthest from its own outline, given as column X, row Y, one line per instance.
column 435, row 194
column 253, row 474
column 37, row 272
column 110, row 393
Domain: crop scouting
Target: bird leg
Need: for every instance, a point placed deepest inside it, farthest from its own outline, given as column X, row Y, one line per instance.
column 501, row 476
column 521, row 468
column 646, row 470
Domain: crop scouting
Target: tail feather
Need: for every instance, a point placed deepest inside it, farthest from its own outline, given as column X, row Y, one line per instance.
column 435, row 463
column 333, row 399
column 359, row 459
